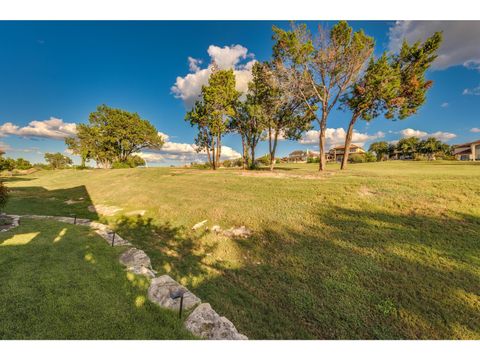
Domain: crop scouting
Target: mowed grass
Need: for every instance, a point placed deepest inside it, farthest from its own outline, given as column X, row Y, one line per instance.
column 381, row 251
column 60, row 281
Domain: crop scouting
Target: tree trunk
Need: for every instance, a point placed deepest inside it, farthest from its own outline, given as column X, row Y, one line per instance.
column 323, row 128
column 213, row 154
column 348, row 142
column 244, row 153
column 273, row 150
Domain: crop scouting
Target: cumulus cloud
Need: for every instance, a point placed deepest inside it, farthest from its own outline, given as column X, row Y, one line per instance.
column 440, row 135
column 475, row 130
column 51, row 129
column 188, row 87
column 183, row 152
column 473, row 91
column 459, row 46
column 335, row 137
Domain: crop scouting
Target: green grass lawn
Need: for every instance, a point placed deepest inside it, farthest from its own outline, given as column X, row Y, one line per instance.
column 382, row 250
column 60, row 281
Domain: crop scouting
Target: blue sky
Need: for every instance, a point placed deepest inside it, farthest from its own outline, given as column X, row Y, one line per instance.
column 63, row 70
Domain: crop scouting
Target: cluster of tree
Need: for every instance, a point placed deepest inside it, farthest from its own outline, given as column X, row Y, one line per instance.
column 308, row 76
column 57, row 161
column 113, row 137
column 10, row 164
column 412, row 147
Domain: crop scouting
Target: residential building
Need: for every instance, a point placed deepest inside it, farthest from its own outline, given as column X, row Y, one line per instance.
column 468, row 151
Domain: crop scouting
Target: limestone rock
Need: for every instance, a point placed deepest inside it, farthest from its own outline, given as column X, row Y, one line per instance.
column 206, row 323
column 142, row 270
column 135, row 258
column 241, row 232
column 216, row 229
column 199, row 225
column 161, row 290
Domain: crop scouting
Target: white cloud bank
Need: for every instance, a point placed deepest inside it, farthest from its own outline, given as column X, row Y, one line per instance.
column 173, row 151
column 335, row 137
column 459, row 46
column 475, row 130
column 50, row 129
column 440, row 135
column 188, row 87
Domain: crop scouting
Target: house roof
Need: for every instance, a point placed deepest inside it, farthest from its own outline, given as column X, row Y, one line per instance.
column 467, row 144
column 342, row 147
column 464, row 152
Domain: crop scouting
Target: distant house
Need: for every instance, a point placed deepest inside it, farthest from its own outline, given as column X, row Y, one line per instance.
column 301, row 155
column 469, row 151
column 337, row 153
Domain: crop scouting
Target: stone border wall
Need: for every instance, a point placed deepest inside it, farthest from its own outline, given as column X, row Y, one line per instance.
column 164, row 291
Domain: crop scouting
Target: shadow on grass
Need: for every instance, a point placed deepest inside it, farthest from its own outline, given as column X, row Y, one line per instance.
column 172, row 249
column 36, row 200
column 356, row 274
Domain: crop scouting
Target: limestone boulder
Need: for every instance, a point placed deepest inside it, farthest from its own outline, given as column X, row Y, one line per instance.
column 204, row 322
column 135, row 258
column 162, row 290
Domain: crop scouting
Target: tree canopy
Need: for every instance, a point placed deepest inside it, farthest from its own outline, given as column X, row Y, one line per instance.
column 58, row 160
column 113, row 136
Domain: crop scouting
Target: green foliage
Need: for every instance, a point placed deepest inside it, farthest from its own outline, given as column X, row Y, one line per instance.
column 370, row 157
column 408, row 146
column 131, row 162
column 211, row 115
column 7, row 164
column 321, row 71
column 380, row 148
column 313, row 160
column 3, row 195
column 263, row 160
column 58, row 160
column 113, row 135
column 357, row 158
column 22, row 164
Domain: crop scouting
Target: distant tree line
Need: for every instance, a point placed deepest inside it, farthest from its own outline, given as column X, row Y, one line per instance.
column 413, row 148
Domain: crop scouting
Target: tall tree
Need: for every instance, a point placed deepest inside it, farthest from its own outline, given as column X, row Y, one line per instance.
column 395, row 86
column 289, row 116
column 213, row 112
column 113, row 135
column 328, row 64
column 430, row 147
column 58, row 160
column 380, row 148
column 251, row 114
column 408, row 146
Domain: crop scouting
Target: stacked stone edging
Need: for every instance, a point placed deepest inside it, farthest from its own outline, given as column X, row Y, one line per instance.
column 203, row 321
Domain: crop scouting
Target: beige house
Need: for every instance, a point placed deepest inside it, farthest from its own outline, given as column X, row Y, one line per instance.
column 469, row 151
column 336, row 153
column 299, row 156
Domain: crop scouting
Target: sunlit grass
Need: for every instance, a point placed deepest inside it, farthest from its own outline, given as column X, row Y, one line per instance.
column 73, row 288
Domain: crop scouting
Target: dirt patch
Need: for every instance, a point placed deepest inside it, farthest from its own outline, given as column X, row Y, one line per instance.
column 365, row 191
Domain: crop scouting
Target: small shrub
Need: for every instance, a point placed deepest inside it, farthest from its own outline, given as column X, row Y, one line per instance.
column 313, row 160
column 357, row 158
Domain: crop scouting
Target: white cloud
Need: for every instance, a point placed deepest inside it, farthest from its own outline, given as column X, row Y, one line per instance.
column 474, row 91
column 188, row 87
column 444, row 105
column 52, row 129
column 193, row 64
column 475, row 130
column 335, row 137
column 440, row 135
column 459, row 46
column 183, row 152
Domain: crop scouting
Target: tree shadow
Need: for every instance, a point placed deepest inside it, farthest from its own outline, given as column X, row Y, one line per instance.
column 352, row 278
column 172, row 249
column 37, row 200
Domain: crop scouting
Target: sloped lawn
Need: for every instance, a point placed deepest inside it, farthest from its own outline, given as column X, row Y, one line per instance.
column 60, row 281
